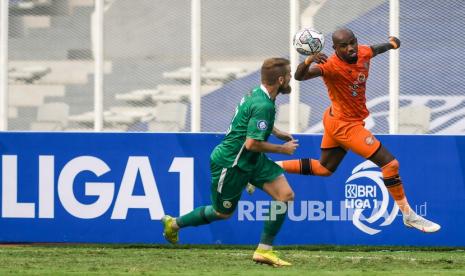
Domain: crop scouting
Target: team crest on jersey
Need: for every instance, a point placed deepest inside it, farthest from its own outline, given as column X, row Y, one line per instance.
column 262, row 125
column 361, row 77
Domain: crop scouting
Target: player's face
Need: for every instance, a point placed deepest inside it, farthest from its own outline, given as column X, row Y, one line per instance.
column 284, row 87
column 347, row 48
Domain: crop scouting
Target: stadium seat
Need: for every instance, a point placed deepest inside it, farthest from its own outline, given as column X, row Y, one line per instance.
column 414, row 119
column 45, row 126
column 171, row 117
column 139, row 96
column 54, row 71
column 282, row 117
column 208, row 76
column 215, row 72
column 116, row 118
column 51, row 117
column 28, row 74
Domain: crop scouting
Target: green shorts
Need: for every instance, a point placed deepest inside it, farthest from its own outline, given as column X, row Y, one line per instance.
column 228, row 183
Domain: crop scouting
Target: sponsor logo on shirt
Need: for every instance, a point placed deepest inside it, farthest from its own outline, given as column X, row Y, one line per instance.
column 227, row 204
column 369, row 140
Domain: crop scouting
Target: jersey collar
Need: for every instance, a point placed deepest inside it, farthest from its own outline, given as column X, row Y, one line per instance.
column 263, row 88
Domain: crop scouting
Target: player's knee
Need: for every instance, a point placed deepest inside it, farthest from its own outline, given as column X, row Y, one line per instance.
column 321, row 168
column 286, row 196
column 326, row 173
column 290, row 196
column 222, row 215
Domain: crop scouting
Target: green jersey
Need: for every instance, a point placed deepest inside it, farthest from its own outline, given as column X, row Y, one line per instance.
column 254, row 119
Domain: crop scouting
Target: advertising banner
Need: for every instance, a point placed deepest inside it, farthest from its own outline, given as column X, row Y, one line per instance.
column 115, row 187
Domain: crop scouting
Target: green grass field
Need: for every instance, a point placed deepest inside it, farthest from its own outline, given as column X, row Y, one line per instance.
column 214, row 260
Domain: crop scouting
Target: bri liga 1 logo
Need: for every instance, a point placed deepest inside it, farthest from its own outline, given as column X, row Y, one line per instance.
column 367, row 195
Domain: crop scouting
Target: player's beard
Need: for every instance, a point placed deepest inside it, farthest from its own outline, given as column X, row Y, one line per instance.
column 347, row 58
column 285, row 89
column 351, row 59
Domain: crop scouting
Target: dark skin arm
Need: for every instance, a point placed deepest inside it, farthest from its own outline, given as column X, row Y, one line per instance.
column 394, row 43
column 305, row 71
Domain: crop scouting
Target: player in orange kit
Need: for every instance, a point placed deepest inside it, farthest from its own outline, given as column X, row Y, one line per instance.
column 345, row 74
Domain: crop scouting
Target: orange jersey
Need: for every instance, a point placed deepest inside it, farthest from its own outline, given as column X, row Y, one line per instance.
column 346, row 85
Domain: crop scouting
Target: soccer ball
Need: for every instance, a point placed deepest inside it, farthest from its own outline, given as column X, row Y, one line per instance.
column 308, row 41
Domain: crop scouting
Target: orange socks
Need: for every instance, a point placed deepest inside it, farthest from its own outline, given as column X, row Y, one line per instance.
column 390, row 172
column 304, row 166
column 394, row 185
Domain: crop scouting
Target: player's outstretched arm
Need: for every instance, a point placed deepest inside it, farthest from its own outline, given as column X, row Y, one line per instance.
column 263, row 146
column 394, row 43
column 282, row 135
column 304, row 71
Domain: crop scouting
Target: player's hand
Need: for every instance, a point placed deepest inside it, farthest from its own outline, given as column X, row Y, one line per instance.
column 290, row 147
column 318, row 58
column 395, row 42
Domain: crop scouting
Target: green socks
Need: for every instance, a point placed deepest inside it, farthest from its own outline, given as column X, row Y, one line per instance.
column 206, row 214
column 199, row 216
column 277, row 215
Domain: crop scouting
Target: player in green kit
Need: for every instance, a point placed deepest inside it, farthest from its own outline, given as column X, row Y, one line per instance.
column 240, row 159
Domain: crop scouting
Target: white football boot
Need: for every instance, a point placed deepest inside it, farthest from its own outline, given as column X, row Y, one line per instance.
column 420, row 223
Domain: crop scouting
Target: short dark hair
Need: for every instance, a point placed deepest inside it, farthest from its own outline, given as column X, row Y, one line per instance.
column 337, row 33
column 272, row 69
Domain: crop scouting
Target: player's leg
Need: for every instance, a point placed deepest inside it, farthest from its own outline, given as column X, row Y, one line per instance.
column 361, row 141
column 270, row 179
column 390, row 169
column 199, row 216
column 331, row 154
column 330, row 159
column 226, row 190
column 281, row 192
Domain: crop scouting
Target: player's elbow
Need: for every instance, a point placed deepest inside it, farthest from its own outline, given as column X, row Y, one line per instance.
column 222, row 215
column 298, row 77
column 251, row 144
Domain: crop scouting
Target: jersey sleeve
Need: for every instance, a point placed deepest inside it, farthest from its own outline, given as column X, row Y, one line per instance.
column 325, row 68
column 367, row 51
column 261, row 122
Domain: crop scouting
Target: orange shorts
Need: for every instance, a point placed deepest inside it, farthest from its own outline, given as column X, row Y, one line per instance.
column 348, row 135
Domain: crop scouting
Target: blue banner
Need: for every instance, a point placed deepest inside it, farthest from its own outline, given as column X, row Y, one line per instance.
column 114, row 188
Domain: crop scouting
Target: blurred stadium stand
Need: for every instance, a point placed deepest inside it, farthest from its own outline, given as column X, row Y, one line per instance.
column 282, row 116
column 414, row 119
column 428, row 30
column 147, row 58
column 51, row 117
